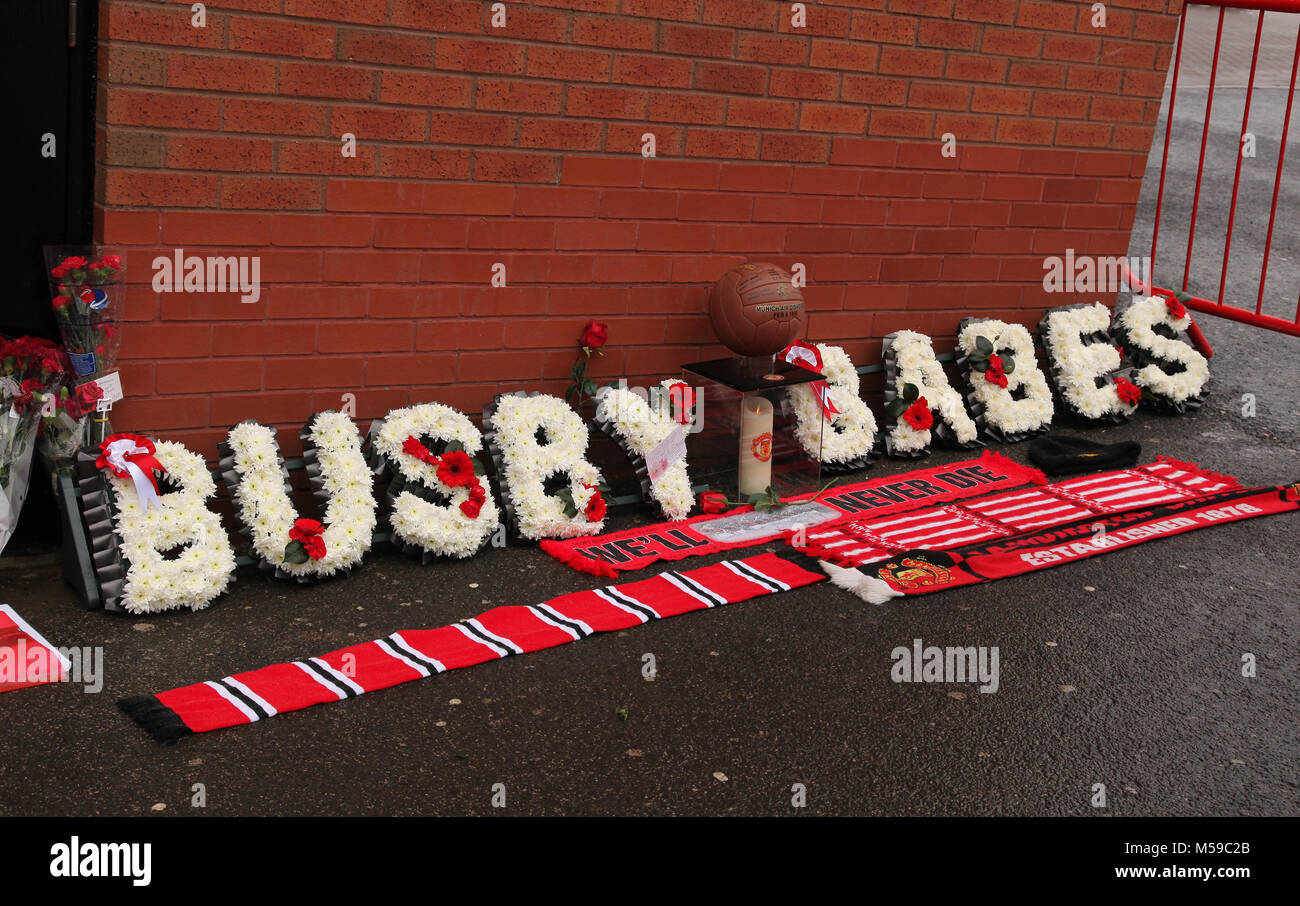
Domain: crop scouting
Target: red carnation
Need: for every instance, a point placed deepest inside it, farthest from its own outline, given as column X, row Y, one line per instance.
column 1127, row 391
column 594, row 335
column 307, row 532
column 59, row 301
column 413, row 447
column 713, row 501
column 456, row 469
column 918, row 415
column 1176, row 309
column 595, row 510
column 994, row 373
column 477, row 494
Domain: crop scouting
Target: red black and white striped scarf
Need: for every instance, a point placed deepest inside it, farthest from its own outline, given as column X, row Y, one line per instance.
column 408, row 655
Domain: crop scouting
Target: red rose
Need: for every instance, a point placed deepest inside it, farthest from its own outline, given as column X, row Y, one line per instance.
column 595, row 510
column 90, row 393
column 918, row 415
column 1127, row 391
column 1176, row 309
column 594, row 335
column 471, row 508
column 713, row 501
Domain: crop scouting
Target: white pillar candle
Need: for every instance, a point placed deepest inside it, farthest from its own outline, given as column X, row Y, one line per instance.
column 755, row 445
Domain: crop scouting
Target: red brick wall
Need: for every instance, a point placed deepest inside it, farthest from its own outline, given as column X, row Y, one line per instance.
column 521, row 145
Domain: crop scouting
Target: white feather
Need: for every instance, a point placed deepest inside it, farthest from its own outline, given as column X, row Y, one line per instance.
column 868, row 588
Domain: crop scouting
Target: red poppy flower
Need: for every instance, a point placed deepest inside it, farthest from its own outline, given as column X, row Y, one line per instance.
column 594, row 335
column 595, row 510
column 918, row 415
column 713, row 501
column 456, row 469
column 1176, row 309
column 1127, row 391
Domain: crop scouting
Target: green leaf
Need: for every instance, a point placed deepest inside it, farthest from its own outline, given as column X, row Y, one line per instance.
column 454, row 446
column 479, row 468
column 1008, row 364
column 984, row 345
column 896, row 408
column 577, row 370
column 295, row 552
column 589, row 387
column 911, row 393
column 979, row 364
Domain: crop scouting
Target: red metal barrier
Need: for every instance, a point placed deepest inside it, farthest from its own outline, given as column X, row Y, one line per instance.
column 1198, row 303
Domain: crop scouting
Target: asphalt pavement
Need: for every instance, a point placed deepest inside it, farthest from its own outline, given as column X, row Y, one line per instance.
column 1122, row 670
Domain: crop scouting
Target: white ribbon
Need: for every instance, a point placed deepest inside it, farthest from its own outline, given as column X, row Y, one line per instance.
column 116, row 454
column 797, row 354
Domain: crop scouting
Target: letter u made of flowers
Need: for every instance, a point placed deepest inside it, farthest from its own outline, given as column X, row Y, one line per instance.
column 301, row 548
column 849, row 437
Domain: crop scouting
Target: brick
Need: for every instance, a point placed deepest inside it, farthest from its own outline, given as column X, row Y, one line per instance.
column 422, row 162
column 442, row 16
column 1074, row 48
column 266, row 338
column 780, row 49
column 525, row 97
column 159, row 25
column 167, row 341
column 1042, row 75
column 417, row 301
column 380, row 123
column 1038, row 14
column 786, row 209
column 202, row 376
column 612, row 103
column 988, row 158
column 832, row 118
column 627, row 34
column 792, row 83
column 365, row 336
column 974, row 68
column 546, row 201
column 882, row 28
column 1062, row 104
column 220, row 73
column 721, row 144
column 674, row 237
column 470, row 128
column 839, row 55
column 329, row 230
column 323, row 157
column 511, row 234
column 568, row 135
column 124, row 64
column 370, row 12
column 755, row 177
column 602, row 171
column 219, row 153
column 682, row 10
column 277, row 192
column 999, row 11
column 426, row 89
column 127, row 227
column 363, row 45
column 468, row 199
column 939, row 96
column 160, row 189
column 1026, row 131
column 695, row 41
column 477, row 55
column 692, row 108
column 900, row 123
column 625, row 138
column 1095, row 79
column 274, row 117
column 123, row 148
column 173, row 111
column 987, row 99
column 1091, row 135
column 588, row 235
column 569, row 64
column 953, row 185
column 730, row 78
column 642, row 69
column 280, row 37
column 954, row 35
column 303, row 372
column 715, row 206
column 327, row 80
column 681, row 174
column 876, row 90
column 510, row 166
column 826, row 181
column 473, row 333
column 373, row 195
column 1011, row 42
column 762, row 112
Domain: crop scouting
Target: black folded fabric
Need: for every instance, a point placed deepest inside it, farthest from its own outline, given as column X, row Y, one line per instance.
column 1057, row 454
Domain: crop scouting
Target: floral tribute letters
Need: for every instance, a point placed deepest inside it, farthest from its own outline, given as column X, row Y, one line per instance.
column 156, row 544
column 915, row 389
column 1084, row 364
column 438, row 504
column 847, row 438
column 639, row 427
column 1009, row 397
column 1169, row 371
column 548, row 487
column 302, row 549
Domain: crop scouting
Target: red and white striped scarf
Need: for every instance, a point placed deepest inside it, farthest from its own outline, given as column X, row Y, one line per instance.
column 401, row 657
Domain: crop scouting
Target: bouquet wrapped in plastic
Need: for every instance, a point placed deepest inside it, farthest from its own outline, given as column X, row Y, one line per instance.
column 32, row 376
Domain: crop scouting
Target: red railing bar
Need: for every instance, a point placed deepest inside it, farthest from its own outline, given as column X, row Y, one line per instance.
column 1169, row 128
column 1277, row 181
column 1273, row 6
column 1233, row 313
column 1236, row 179
column 1200, row 166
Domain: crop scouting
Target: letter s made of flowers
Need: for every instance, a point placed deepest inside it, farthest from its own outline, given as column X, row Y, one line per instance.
column 253, row 469
column 438, row 503
column 1170, row 371
column 851, row 434
column 155, row 576
column 541, row 442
